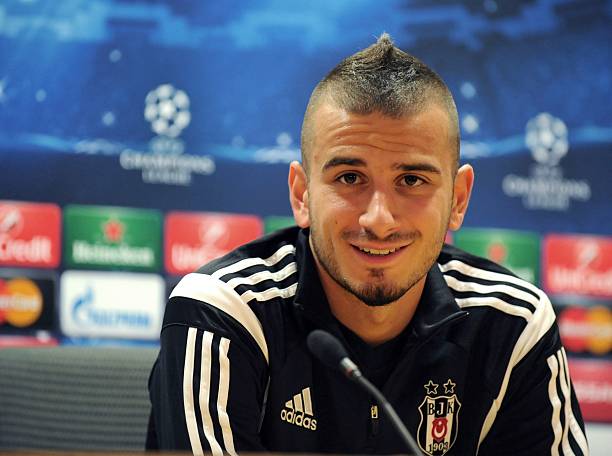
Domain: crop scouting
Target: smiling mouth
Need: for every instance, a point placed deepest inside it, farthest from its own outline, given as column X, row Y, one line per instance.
column 379, row 252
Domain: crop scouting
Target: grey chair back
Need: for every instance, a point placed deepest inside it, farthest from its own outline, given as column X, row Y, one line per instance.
column 74, row 398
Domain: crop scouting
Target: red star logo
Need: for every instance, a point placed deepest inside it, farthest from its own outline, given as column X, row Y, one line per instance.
column 113, row 230
column 497, row 252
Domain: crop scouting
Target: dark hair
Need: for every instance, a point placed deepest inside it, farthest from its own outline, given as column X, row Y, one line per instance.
column 381, row 78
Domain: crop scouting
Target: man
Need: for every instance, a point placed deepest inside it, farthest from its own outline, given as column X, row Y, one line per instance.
column 468, row 354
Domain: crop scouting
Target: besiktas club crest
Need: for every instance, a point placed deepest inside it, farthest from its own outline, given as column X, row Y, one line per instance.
column 439, row 419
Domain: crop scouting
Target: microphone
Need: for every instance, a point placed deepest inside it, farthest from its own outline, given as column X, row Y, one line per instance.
column 327, row 349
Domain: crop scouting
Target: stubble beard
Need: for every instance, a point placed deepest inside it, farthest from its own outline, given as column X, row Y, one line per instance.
column 377, row 292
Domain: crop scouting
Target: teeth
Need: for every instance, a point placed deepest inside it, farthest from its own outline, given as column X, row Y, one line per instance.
column 378, row 252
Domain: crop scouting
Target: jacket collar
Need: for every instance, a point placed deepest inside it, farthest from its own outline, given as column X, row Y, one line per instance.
column 437, row 306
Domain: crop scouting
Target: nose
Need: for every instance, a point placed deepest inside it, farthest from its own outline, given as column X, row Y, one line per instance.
column 378, row 217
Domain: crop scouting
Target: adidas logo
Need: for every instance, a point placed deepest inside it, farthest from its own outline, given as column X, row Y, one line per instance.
column 298, row 411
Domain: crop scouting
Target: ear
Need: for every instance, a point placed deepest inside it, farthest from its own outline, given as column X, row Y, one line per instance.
column 464, row 181
column 298, row 194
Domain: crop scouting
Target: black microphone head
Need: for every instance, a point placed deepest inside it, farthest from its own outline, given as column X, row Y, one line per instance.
column 326, row 348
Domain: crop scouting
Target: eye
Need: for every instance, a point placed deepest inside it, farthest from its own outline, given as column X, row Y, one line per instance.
column 349, row 178
column 410, row 180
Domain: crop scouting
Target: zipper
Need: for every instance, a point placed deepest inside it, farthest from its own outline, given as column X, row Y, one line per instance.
column 374, row 421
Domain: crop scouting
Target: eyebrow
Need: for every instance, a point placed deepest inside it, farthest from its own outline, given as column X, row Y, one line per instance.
column 343, row 161
column 349, row 161
column 417, row 167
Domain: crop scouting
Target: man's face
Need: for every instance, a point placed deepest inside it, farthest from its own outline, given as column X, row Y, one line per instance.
column 378, row 198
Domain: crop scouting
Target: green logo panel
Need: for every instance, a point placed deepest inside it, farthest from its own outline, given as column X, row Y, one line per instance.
column 518, row 251
column 274, row 223
column 112, row 238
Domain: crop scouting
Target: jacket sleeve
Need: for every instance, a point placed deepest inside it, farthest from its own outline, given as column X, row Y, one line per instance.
column 539, row 414
column 208, row 384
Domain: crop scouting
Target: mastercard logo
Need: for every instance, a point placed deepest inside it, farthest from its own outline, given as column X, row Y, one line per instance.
column 21, row 302
column 586, row 329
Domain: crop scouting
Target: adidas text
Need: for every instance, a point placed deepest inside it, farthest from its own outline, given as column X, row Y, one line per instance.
column 299, row 419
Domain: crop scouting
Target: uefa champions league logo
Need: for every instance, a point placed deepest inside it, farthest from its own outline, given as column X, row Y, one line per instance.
column 167, row 109
column 546, row 187
column 546, row 137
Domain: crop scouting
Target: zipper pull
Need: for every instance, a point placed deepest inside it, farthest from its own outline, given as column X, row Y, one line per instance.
column 374, row 419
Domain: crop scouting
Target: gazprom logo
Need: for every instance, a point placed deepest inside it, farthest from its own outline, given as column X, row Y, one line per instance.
column 84, row 312
column 111, row 304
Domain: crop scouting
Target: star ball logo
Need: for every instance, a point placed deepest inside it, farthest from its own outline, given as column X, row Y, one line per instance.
column 167, row 111
column 546, row 188
column 167, row 108
column 439, row 411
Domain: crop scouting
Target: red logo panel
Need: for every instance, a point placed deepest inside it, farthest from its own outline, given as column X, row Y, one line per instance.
column 592, row 381
column 578, row 265
column 29, row 234
column 193, row 239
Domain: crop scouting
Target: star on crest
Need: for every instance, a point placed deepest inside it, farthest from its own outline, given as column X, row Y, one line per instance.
column 449, row 387
column 431, row 387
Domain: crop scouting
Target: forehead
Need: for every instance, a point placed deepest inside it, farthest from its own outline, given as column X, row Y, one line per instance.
column 426, row 134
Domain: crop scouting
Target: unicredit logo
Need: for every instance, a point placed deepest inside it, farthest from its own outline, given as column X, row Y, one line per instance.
column 37, row 249
column 29, row 234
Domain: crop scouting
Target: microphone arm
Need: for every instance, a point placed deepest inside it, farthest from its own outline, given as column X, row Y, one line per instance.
column 358, row 378
column 331, row 353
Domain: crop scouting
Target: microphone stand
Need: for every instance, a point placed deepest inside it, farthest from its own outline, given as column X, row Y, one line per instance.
column 358, row 378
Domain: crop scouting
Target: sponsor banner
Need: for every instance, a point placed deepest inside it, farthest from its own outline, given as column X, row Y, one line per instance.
column 274, row 223
column 111, row 304
column 592, row 381
column 518, row 251
column 195, row 238
column 95, row 342
column 26, row 303
column 29, row 234
column 112, row 238
column 42, row 340
column 586, row 329
column 577, row 265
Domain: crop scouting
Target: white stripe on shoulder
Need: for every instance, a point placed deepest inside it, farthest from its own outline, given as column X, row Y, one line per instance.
column 248, row 262
column 205, row 373
column 459, row 285
column 538, row 323
column 496, row 303
column 188, row 404
column 219, row 294
column 261, row 276
column 270, row 293
column 469, row 270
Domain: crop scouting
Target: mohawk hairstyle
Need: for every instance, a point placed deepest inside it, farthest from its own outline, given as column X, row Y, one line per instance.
column 381, row 78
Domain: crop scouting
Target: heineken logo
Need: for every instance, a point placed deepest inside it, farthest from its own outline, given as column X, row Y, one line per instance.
column 439, row 412
column 123, row 255
column 112, row 237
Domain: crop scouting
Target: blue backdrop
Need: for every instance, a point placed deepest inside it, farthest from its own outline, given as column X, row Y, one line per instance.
column 197, row 105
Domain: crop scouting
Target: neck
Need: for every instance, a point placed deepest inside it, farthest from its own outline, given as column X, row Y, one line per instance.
column 374, row 325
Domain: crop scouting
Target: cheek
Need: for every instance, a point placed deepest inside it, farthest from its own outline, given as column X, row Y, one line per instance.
column 330, row 205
